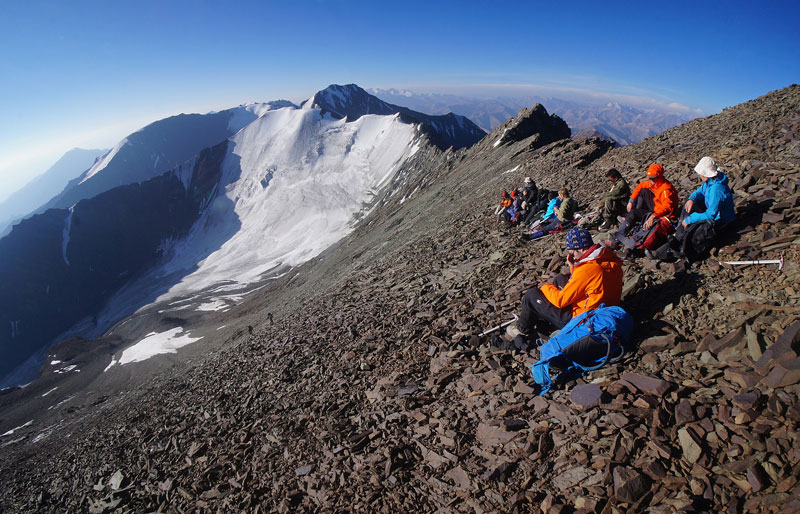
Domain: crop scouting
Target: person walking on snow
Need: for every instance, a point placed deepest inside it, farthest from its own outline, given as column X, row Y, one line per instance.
column 652, row 199
column 595, row 278
column 705, row 213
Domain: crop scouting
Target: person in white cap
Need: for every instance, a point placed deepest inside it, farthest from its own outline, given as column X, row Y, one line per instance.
column 706, row 212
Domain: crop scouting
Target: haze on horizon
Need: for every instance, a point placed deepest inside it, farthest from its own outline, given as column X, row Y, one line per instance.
column 83, row 74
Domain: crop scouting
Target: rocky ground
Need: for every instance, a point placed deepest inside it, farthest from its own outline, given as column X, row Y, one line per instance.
column 374, row 390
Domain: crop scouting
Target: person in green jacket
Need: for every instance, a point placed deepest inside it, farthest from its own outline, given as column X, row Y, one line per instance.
column 614, row 202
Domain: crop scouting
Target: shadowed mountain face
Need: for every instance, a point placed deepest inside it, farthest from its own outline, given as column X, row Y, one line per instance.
column 42, row 188
column 158, row 147
column 352, row 102
column 61, row 266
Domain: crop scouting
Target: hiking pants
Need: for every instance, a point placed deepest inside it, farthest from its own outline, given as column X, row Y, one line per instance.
column 612, row 209
column 537, row 313
column 644, row 206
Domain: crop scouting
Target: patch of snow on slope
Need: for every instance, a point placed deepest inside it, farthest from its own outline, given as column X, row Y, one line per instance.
column 324, row 172
column 103, row 162
column 154, row 344
column 215, row 305
column 65, row 234
column 17, row 428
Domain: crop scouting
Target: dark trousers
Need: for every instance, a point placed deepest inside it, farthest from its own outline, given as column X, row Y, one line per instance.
column 538, row 314
column 612, row 209
column 642, row 208
column 693, row 241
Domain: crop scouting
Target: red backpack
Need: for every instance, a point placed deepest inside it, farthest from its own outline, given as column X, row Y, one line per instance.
column 655, row 236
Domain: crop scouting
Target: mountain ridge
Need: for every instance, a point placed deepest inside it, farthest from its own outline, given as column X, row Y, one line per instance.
column 624, row 124
column 373, row 389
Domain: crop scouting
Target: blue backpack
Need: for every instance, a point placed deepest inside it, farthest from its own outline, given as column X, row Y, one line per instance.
column 588, row 342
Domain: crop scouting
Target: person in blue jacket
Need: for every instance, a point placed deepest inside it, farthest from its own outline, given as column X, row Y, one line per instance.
column 704, row 215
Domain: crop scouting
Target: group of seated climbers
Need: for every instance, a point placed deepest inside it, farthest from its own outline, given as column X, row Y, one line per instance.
column 596, row 271
column 523, row 205
column 655, row 224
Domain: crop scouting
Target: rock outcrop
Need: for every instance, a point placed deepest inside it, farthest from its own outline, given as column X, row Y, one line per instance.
column 534, row 123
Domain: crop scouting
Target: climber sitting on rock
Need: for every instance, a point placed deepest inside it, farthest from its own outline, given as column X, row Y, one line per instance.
column 505, row 203
column 564, row 215
column 613, row 203
column 706, row 212
column 595, row 278
column 654, row 201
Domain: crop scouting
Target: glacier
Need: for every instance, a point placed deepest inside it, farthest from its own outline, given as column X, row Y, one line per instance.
column 319, row 172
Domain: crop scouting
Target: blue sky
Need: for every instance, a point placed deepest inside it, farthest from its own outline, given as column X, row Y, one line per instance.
column 87, row 73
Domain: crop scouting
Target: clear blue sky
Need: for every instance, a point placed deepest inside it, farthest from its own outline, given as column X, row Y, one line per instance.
column 78, row 73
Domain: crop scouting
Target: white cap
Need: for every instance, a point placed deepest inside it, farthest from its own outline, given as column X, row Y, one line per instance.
column 706, row 167
column 528, row 180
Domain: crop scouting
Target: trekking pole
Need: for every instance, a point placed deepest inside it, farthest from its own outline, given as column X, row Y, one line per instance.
column 501, row 325
column 779, row 262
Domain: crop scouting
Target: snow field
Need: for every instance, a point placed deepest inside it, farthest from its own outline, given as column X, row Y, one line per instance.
column 154, row 344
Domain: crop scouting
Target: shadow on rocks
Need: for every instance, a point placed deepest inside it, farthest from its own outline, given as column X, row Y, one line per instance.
column 646, row 304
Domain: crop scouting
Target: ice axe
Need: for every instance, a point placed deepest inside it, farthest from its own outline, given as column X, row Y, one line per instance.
column 501, row 325
column 779, row 262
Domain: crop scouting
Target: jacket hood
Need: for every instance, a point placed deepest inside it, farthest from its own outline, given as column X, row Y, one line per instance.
column 597, row 253
column 721, row 179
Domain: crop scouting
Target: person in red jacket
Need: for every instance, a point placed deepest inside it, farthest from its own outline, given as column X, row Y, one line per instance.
column 595, row 278
column 653, row 198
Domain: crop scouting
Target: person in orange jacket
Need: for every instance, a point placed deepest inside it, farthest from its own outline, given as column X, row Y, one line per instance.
column 653, row 198
column 595, row 278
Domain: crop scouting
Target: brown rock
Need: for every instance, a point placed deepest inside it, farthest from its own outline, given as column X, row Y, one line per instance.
column 647, row 384
column 658, row 343
column 691, row 447
column 514, row 424
column 492, row 436
column 572, row 477
column 783, row 374
column 303, row 470
column 684, row 413
column 629, row 484
column 498, row 472
column 586, row 395
column 459, row 478
column 757, row 478
column 655, row 470
column 730, row 340
column 746, row 401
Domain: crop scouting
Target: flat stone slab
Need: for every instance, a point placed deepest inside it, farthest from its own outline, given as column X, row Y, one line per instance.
column 586, row 395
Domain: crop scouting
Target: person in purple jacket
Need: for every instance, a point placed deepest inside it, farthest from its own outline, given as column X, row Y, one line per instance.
column 703, row 217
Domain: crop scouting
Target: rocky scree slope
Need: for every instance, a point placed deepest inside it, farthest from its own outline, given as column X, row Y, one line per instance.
column 373, row 390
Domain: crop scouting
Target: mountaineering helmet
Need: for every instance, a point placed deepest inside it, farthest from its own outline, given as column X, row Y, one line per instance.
column 578, row 238
column 655, row 171
column 706, row 167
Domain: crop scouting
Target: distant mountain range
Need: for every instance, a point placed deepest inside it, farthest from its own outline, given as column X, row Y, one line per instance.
column 42, row 188
column 622, row 123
